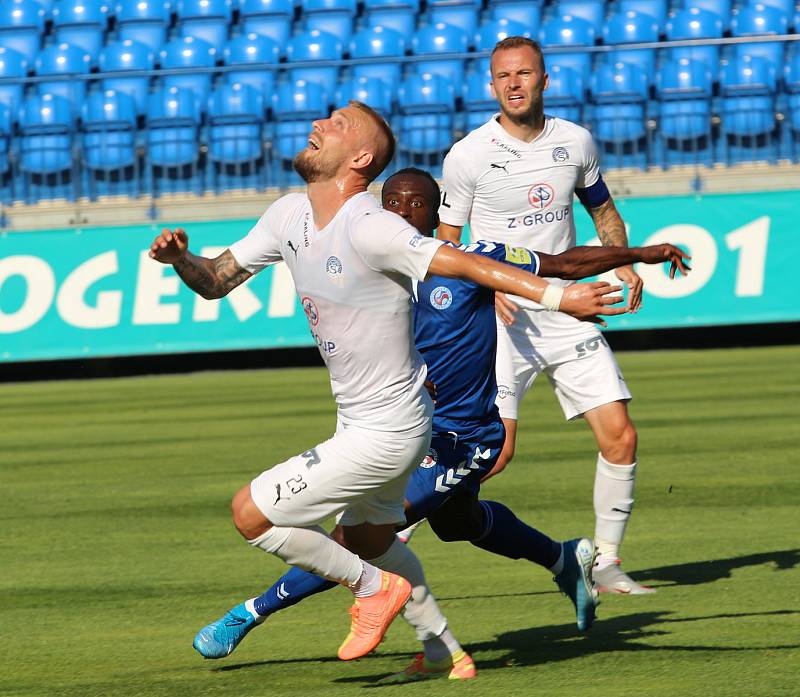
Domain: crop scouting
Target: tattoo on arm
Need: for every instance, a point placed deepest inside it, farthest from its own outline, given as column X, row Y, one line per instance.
column 609, row 225
column 211, row 278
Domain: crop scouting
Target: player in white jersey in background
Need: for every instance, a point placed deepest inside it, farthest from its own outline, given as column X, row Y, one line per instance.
column 513, row 180
column 352, row 264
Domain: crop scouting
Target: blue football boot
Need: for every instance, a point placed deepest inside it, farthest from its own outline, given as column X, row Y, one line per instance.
column 575, row 580
column 220, row 638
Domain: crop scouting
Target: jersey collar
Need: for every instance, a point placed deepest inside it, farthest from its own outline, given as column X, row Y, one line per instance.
column 500, row 131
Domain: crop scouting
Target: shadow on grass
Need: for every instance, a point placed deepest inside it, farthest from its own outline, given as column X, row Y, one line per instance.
column 695, row 573
column 541, row 645
column 690, row 574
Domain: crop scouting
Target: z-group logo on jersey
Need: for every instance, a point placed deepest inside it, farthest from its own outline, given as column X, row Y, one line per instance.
column 540, row 196
column 333, row 266
column 310, row 309
column 560, row 154
column 441, row 297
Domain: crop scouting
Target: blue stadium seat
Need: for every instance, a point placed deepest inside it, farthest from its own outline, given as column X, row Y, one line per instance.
column 528, row 14
column 564, row 96
column 440, row 38
column 569, row 31
column 109, row 145
column 22, row 27
column 792, row 124
column 12, row 64
column 593, row 11
column 127, row 55
column 80, row 23
column 786, row 7
column 145, row 21
column 235, row 143
column 425, row 124
column 369, row 90
column 331, row 16
column 400, row 15
column 188, row 52
column 271, row 18
column 721, row 8
column 378, row 42
column 684, row 89
column 295, row 106
column 760, row 20
column 479, row 102
column 63, row 59
column 657, row 9
column 458, row 13
column 490, row 33
column 252, row 49
column 173, row 122
column 619, row 91
column 695, row 23
column 315, row 45
column 747, row 110
column 46, row 162
column 6, row 178
column 630, row 28
column 207, row 20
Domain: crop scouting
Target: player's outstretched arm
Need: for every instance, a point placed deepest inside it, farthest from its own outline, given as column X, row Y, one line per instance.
column 611, row 232
column 211, row 278
column 585, row 301
column 580, row 262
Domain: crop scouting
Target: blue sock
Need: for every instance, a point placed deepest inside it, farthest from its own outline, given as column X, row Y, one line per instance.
column 289, row 589
column 505, row 534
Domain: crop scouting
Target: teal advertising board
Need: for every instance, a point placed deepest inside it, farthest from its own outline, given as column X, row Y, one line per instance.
column 94, row 291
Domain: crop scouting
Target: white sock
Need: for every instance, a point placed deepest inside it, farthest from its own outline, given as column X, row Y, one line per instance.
column 250, row 606
column 613, row 503
column 421, row 611
column 311, row 549
column 441, row 647
column 558, row 567
column 369, row 583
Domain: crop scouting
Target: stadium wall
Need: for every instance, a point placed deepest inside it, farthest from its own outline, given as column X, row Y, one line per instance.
column 93, row 292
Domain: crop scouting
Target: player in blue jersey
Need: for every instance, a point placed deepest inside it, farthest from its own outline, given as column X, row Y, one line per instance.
column 454, row 324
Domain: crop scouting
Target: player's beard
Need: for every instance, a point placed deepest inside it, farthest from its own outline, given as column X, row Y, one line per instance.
column 527, row 117
column 313, row 168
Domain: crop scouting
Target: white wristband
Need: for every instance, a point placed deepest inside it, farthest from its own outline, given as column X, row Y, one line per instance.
column 551, row 298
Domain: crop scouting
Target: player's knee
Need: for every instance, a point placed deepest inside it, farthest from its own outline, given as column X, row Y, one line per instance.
column 622, row 449
column 457, row 520
column 248, row 519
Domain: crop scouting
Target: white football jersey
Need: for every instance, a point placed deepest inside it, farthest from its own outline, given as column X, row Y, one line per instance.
column 354, row 280
column 520, row 193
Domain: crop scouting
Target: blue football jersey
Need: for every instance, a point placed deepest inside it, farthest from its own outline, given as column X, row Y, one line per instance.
column 455, row 331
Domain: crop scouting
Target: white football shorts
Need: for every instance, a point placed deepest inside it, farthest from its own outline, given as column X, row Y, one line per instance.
column 358, row 474
column 580, row 366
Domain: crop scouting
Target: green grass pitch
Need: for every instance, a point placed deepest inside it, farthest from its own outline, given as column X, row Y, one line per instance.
column 117, row 545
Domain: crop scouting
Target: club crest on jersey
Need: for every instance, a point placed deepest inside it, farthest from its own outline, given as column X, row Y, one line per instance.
column 310, row 309
column 333, row 266
column 430, row 459
column 540, row 196
column 560, row 154
column 441, row 297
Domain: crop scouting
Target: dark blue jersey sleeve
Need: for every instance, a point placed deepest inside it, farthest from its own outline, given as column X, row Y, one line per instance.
column 524, row 258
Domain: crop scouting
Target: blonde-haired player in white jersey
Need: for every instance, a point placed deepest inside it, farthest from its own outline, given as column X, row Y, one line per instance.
column 513, row 179
column 353, row 263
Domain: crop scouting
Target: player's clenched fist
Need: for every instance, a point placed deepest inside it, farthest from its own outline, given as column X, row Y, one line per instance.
column 588, row 300
column 169, row 246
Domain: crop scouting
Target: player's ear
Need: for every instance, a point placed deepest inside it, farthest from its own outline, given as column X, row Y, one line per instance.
column 362, row 159
column 436, row 221
column 546, row 81
column 491, row 89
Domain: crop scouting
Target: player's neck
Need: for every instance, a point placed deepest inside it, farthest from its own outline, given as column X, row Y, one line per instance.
column 525, row 131
column 328, row 196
